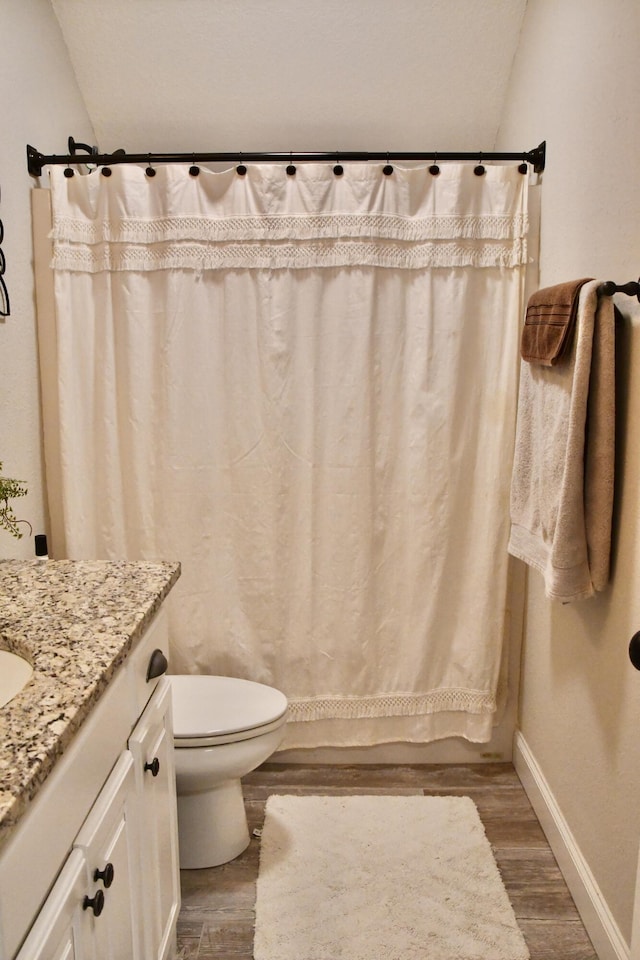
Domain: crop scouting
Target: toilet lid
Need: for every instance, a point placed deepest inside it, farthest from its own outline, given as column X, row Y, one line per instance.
column 205, row 706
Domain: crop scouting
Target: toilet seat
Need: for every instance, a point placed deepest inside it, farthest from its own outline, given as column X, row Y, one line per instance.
column 208, row 711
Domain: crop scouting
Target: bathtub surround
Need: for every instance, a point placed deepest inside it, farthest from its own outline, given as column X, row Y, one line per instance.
column 413, row 875
column 294, row 382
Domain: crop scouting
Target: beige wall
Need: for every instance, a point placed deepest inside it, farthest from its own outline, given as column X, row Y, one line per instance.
column 576, row 83
column 292, row 74
column 41, row 105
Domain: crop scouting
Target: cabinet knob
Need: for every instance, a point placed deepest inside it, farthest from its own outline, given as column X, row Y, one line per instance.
column 157, row 665
column 105, row 875
column 154, row 766
column 95, row 903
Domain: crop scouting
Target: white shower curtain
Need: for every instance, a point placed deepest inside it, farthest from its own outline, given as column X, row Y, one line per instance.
column 303, row 389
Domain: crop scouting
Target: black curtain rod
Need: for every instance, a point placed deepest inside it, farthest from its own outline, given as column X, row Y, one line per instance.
column 36, row 160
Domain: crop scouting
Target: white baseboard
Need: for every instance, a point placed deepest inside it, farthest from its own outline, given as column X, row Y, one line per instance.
column 604, row 932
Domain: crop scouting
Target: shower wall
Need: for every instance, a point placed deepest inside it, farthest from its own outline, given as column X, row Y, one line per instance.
column 576, row 83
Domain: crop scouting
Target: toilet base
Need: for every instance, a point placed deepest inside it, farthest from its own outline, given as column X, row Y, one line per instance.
column 212, row 826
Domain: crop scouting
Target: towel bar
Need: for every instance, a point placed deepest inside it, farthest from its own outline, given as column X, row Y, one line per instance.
column 608, row 288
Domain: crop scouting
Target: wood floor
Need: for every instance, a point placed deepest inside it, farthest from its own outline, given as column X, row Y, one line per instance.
column 216, row 920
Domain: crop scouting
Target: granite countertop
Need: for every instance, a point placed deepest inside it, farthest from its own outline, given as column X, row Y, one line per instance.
column 75, row 621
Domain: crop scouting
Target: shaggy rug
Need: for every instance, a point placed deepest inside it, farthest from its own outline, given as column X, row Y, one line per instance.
column 380, row 878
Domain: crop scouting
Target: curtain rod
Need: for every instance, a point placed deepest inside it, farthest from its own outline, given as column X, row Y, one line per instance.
column 36, row 160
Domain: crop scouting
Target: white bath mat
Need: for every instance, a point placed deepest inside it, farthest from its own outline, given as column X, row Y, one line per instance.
column 380, row 878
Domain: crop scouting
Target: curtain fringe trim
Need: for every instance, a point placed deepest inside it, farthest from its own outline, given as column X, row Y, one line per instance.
column 288, row 227
column 391, row 705
column 303, row 255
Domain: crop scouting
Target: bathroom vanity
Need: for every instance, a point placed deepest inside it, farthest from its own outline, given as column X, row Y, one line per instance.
column 88, row 827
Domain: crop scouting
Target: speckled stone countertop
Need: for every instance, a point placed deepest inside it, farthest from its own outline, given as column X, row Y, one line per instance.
column 75, row 621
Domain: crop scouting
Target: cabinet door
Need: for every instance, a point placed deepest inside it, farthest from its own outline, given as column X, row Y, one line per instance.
column 109, row 843
column 62, row 930
column 151, row 744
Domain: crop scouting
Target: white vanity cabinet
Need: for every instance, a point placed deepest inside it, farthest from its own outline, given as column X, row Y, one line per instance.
column 92, row 872
column 151, row 745
column 62, row 930
column 108, row 840
column 93, row 911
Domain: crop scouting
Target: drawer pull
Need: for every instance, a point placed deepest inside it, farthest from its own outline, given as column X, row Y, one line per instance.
column 157, row 665
column 154, row 767
column 105, row 875
column 95, row 903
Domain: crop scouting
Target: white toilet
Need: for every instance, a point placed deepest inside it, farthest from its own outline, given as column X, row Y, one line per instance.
column 222, row 729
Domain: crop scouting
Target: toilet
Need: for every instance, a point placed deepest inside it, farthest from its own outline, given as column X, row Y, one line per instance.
column 223, row 728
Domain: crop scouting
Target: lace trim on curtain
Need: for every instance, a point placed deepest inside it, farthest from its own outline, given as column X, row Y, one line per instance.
column 274, row 255
column 391, row 705
column 291, row 226
column 289, row 241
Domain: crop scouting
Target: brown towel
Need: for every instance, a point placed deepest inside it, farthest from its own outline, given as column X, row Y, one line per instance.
column 549, row 322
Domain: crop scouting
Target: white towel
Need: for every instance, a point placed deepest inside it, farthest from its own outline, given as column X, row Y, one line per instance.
column 562, row 483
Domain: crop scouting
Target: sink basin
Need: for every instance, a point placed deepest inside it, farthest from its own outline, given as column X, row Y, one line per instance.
column 15, row 673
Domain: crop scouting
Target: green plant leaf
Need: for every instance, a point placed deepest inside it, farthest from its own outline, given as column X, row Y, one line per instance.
column 9, row 490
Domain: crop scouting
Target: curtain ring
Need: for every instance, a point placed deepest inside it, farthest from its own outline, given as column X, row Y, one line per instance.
column 291, row 170
column 68, row 172
column 338, row 168
column 193, row 169
column 434, row 169
column 150, row 172
column 479, row 170
column 387, row 169
column 241, row 169
column 523, row 168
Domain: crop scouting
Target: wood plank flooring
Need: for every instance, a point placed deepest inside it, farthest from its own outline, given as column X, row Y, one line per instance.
column 216, row 919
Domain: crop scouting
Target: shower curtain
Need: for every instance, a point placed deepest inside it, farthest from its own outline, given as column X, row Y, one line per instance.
column 303, row 388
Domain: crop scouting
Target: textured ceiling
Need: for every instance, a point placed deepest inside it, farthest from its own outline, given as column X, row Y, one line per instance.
column 182, row 75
